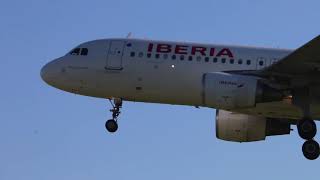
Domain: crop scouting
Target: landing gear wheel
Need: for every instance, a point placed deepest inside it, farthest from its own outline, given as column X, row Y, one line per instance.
column 307, row 129
column 111, row 125
column 311, row 150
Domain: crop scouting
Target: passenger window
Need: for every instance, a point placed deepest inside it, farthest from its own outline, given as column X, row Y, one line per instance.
column 223, row 60
column 231, row 61
column 206, row 59
column 132, row 54
column 84, row 51
column 190, row 58
column 182, row 57
column 165, row 56
column 157, row 56
column 248, row 62
column 215, row 60
column 149, row 55
column 173, row 57
column 140, row 54
column 199, row 58
column 240, row 61
column 76, row 51
column 261, row 63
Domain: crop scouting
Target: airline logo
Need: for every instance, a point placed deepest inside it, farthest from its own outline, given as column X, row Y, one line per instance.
column 191, row 50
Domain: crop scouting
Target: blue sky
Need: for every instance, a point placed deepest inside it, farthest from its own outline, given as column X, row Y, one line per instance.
column 49, row 134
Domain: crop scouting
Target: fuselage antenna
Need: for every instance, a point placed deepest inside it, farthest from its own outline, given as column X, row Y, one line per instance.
column 129, row 35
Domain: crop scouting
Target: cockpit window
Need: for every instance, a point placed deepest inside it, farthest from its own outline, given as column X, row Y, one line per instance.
column 84, row 51
column 79, row 51
column 76, row 51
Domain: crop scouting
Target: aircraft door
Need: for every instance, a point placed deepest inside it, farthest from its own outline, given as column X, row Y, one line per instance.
column 115, row 54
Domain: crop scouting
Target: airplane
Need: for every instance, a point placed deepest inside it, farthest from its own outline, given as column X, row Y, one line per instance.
column 257, row 92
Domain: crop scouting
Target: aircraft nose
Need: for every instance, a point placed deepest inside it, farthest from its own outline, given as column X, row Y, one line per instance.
column 44, row 72
column 49, row 72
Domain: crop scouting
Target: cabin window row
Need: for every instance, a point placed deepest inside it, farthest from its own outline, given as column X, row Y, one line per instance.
column 191, row 58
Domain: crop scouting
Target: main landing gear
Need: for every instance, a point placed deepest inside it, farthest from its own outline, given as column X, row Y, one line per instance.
column 112, row 124
column 307, row 130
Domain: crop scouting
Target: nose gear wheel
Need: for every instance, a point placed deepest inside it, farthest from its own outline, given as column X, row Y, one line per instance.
column 112, row 124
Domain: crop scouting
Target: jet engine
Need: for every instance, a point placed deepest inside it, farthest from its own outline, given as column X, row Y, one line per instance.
column 232, row 91
column 237, row 127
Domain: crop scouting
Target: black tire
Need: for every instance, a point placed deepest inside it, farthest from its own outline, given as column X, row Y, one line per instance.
column 311, row 150
column 111, row 125
column 307, row 129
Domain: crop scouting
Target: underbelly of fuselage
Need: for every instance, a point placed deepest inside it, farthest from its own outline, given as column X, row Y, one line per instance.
column 168, row 90
column 281, row 109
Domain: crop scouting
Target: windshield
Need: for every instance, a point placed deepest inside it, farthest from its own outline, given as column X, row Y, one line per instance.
column 79, row 51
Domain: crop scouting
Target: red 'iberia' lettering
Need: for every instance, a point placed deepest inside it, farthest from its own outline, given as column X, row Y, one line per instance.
column 192, row 50
column 164, row 48
column 225, row 52
column 201, row 50
column 150, row 47
column 180, row 49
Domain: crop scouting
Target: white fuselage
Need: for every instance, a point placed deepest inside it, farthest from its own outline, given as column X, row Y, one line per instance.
column 158, row 71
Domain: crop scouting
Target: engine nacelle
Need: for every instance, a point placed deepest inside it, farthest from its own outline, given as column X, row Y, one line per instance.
column 237, row 127
column 232, row 91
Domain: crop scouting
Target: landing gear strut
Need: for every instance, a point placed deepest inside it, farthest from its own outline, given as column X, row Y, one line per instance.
column 112, row 124
column 307, row 128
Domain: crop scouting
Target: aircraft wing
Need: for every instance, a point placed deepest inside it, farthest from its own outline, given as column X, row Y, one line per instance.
column 305, row 61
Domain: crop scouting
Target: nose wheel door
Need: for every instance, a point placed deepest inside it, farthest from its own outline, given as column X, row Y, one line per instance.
column 115, row 53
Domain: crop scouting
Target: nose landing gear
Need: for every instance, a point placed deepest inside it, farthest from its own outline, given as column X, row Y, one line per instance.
column 112, row 124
